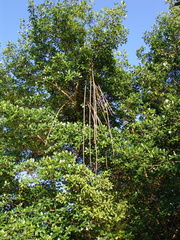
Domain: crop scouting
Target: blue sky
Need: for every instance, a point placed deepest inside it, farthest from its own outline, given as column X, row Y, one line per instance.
column 140, row 17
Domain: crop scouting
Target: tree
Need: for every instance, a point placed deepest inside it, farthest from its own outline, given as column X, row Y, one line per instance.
column 58, row 88
column 150, row 155
column 89, row 150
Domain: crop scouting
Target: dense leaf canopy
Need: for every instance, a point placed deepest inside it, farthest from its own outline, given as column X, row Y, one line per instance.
column 89, row 145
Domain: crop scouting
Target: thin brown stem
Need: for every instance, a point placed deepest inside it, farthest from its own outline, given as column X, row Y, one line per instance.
column 65, row 93
column 84, row 123
column 54, row 120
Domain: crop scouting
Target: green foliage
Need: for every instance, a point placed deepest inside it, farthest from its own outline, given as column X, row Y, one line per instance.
column 154, row 154
column 79, row 206
column 89, row 149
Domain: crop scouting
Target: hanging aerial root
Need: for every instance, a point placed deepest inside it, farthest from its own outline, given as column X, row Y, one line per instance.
column 96, row 101
column 84, row 123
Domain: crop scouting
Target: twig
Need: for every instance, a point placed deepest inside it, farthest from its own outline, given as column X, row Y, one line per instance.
column 61, row 90
column 50, row 130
